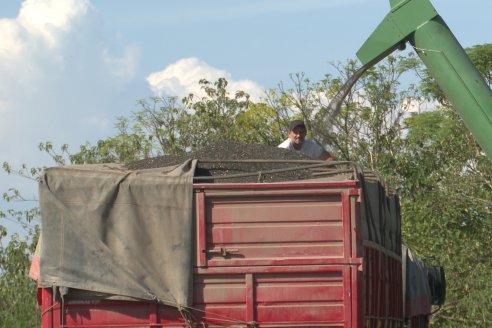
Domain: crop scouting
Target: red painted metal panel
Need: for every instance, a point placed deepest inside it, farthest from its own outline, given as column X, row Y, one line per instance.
column 246, row 227
column 302, row 298
column 86, row 313
column 280, row 299
column 219, row 288
column 274, row 298
column 118, row 314
column 308, row 299
column 267, row 232
column 300, row 287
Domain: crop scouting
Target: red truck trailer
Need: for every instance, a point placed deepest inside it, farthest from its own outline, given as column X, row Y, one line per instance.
column 318, row 252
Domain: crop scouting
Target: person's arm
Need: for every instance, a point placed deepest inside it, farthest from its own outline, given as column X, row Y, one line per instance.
column 326, row 156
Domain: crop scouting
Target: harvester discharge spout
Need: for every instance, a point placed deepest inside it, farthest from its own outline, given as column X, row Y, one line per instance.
column 417, row 22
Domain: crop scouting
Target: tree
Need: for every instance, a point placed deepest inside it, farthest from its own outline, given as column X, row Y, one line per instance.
column 447, row 209
column 481, row 56
column 370, row 126
column 447, row 202
column 18, row 306
column 18, row 302
column 166, row 126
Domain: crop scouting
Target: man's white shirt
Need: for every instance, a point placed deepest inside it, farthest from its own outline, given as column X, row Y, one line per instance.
column 309, row 148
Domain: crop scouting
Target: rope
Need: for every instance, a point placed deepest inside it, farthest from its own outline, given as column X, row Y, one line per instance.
column 190, row 319
column 215, row 316
column 48, row 309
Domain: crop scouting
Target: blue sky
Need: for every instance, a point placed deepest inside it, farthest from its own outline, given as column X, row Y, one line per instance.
column 69, row 67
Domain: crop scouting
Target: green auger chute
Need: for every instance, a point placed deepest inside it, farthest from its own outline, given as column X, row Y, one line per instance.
column 417, row 22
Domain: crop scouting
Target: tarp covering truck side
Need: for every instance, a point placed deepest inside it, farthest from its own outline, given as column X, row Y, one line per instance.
column 118, row 232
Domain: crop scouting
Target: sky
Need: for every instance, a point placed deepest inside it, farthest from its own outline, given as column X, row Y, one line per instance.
column 68, row 68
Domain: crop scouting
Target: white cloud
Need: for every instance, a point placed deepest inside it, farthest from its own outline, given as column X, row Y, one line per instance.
column 123, row 67
column 59, row 78
column 47, row 19
column 182, row 77
column 60, row 81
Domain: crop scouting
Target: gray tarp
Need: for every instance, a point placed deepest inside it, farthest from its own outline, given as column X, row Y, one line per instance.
column 380, row 214
column 125, row 233
column 415, row 285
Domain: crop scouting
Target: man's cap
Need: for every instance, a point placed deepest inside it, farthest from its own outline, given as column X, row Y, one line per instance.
column 294, row 124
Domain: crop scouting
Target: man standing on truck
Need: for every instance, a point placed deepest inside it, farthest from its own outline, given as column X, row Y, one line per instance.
column 297, row 142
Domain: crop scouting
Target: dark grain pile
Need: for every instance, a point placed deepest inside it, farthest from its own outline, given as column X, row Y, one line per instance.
column 213, row 161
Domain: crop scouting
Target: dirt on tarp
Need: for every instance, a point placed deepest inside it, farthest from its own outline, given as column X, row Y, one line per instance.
column 215, row 161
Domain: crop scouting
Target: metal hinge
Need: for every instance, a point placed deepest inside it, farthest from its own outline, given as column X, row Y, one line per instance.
column 222, row 251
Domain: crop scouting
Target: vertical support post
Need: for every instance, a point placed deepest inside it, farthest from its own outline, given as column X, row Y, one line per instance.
column 201, row 233
column 153, row 309
column 250, row 297
column 346, row 225
column 47, row 308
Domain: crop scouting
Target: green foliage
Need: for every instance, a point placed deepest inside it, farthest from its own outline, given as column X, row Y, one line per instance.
column 447, row 206
column 18, row 305
column 260, row 124
column 161, row 121
column 445, row 182
column 166, row 126
column 370, row 126
column 481, row 56
column 212, row 118
column 371, row 121
column 127, row 145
